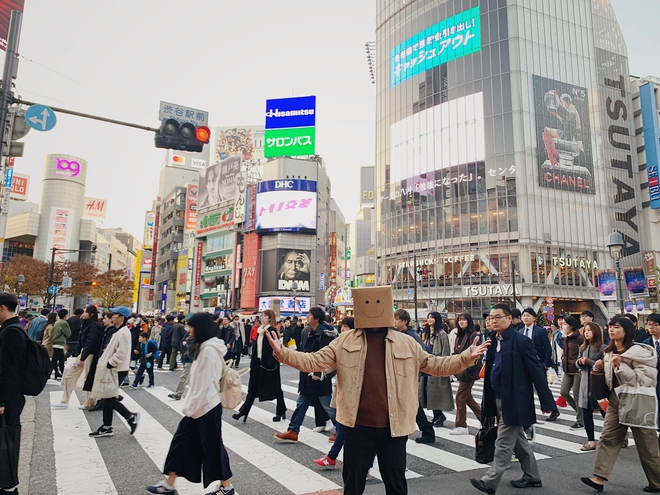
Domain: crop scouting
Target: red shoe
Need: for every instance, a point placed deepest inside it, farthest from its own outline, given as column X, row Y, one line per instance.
column 325, row 462
column 561, row 402
column 289, row 437
column 332, row 438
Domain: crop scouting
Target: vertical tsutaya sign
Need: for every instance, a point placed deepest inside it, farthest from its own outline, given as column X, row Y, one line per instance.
column 191, row 207
column 651, row 138
column 290, row 127
column 447, row 40
column 198, row 274
column 618, row 138
column 563, row 134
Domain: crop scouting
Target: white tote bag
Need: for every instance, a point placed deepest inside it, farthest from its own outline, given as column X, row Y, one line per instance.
column 106, row 383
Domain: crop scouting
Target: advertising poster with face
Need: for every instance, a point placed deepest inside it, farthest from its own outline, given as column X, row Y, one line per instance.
column 563, row 136
column 292, row 265
column 218, row 182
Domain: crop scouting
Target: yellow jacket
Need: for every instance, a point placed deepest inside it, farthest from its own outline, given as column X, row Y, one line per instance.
column 404, row 358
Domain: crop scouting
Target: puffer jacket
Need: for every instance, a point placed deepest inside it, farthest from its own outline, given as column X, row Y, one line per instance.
column 317, row 340
column 637, row 369
column 572, row 344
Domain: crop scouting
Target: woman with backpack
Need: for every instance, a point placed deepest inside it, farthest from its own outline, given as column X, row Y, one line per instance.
column 197, row 446
column 148, row 352
column 90, row 340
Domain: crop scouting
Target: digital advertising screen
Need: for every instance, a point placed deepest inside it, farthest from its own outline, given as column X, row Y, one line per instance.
column 443, row 136
column 286, row 205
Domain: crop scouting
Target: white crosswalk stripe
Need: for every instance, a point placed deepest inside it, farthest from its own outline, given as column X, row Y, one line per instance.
column 256, row 447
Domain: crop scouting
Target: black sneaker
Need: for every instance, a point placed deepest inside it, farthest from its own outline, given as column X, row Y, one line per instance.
column 103, row 431
column 576, row 426
column 160, row 488
column 221, row 490
column 553, row 415
column 174, row 396
column 133, row 422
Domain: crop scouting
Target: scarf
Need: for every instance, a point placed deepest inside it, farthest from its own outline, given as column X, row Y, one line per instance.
column 260, row 340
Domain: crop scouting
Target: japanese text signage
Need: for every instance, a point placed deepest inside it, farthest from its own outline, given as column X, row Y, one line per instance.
column 651, row 137
column 216, row 221
column 290, row 127
column 191, row 207
column 450, row 39
column 182, row 114
column 286, row 205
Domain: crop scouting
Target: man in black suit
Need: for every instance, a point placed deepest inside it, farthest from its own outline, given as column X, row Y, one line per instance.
column 513, row 370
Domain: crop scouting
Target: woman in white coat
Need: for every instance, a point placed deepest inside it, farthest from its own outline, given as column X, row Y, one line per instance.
column 197, row 448
column 625, row 363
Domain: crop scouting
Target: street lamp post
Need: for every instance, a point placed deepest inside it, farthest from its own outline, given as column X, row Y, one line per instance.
column 20, row 281
column 294, row 289
column 615, row 246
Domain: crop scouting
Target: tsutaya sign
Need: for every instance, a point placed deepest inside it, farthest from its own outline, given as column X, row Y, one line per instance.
column 575, row 262
column 490, row 290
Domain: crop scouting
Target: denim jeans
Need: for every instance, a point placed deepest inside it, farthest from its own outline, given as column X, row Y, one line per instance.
column 303, row 403
column 339, row 442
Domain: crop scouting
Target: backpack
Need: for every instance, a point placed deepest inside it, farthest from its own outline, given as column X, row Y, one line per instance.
column 36, row 368
column 156, row 355
column 231, row 387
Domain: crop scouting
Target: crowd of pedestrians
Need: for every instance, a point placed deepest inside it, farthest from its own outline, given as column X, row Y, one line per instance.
column 407, row 369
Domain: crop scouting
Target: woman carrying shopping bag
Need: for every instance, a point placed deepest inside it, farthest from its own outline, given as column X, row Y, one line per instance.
column 197, row 448
column 91, row 337
column 626, row 364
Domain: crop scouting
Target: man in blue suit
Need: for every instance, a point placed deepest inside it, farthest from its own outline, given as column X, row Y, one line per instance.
column 513, row 370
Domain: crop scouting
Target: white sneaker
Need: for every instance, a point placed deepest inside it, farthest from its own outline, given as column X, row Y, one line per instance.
column 318, row 429
column 459, row 430
column 60, row 405
column 329, row 426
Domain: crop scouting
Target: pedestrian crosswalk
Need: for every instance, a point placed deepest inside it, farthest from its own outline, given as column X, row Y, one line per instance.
column 257, row 459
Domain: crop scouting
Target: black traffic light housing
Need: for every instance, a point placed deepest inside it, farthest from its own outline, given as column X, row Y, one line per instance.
column 186, row 137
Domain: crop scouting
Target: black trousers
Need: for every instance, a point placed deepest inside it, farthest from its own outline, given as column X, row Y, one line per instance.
column 249, row 400
column 238, row 349
column 112, row 404
column 424, row 424
column 197, row 449
column 320, row 416
column 166, row 352
column 360, row 443
column 58, row 361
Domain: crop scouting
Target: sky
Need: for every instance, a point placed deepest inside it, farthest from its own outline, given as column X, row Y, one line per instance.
column 120, row 58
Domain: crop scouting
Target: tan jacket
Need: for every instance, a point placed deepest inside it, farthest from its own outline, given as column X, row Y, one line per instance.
column 638, row 367
column 404, row 358
column 118, row 350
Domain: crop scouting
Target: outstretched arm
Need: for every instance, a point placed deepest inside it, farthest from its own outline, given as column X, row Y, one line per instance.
column 322, row 360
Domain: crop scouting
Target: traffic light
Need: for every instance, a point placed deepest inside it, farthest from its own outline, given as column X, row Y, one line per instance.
column 16, row 129
column 348, row 253
column 186, row 137
column 395, row 307
column 93, row 283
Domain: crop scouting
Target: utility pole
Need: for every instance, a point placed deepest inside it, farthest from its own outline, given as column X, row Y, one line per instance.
column 513, row 283
column 8, row 75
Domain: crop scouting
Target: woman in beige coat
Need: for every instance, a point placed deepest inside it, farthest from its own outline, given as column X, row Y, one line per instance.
column 625, row 363
column 47, row 341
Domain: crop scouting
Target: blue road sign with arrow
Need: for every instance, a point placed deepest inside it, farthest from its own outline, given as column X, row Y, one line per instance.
column 52, row 290
column 40, row 117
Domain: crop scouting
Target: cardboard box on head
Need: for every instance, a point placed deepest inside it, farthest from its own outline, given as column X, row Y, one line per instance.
column 373, row 307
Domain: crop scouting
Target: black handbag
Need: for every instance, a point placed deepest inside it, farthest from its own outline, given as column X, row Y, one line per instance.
column 599, row 389
column 10, row 444
column 484, row 441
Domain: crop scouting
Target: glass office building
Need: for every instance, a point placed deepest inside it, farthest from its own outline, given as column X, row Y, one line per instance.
column 505, row 153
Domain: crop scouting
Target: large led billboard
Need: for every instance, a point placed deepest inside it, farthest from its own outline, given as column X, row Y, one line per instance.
column 453, row 38
column 286, row 205
column 290, row 127
column 439, row 137
column 563, row 135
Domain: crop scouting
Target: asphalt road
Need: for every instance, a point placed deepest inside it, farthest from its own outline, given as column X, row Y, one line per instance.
column 260, row 464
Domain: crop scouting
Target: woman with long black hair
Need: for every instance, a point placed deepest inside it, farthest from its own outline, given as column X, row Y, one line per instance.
column 465, row 335
column 625, row 363
column 265, row 382
column 197, row 448
column 435, row 392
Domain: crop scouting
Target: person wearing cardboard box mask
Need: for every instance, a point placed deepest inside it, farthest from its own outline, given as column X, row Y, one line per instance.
column 376, row 395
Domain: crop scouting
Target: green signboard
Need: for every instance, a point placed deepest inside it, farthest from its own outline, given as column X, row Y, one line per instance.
column 297, row 141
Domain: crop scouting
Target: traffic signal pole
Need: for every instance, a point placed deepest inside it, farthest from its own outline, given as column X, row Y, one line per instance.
column 9, row 73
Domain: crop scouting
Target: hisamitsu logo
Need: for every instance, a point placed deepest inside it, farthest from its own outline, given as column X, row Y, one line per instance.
column 287, row 113
column 66, row 167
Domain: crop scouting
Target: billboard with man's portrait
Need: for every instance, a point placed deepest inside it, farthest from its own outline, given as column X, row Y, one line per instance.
column 288, row 265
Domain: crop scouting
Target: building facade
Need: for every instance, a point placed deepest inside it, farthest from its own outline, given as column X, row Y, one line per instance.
column 505, row 153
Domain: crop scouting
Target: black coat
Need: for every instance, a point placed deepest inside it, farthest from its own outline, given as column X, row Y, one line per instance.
column 314, row 341
column 91, row 340
column 166, row 336
column 75, row 324
column 13, row 342
column 542, row 345
column 178, row 332
column 265, row 381
column 521, row 369
column 228, row 336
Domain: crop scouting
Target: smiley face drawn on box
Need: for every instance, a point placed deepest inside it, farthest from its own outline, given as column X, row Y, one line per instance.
column 373, row 307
